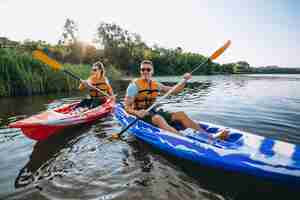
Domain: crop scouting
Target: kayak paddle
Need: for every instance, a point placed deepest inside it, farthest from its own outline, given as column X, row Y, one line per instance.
column 41, row 56
column 215, row 55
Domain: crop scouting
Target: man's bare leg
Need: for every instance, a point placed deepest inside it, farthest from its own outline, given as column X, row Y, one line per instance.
column 186, row 121
column 161, row 123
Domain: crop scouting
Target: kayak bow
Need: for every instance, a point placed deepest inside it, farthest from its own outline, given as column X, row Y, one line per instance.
column 41, row 126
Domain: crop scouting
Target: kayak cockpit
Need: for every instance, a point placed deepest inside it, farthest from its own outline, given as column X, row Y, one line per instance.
column 234, row 140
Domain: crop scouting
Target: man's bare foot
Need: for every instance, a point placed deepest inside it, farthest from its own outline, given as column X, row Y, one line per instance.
column 222, row 135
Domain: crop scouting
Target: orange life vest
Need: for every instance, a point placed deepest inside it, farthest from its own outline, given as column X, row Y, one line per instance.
column 147, row 93
column 99, row 82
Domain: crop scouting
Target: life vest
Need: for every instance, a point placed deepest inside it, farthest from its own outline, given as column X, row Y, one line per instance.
column 99, row 82
column 147, row 93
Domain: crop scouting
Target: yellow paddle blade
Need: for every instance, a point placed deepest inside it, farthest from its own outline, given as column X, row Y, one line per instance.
column 41, row 56
column 217, row 53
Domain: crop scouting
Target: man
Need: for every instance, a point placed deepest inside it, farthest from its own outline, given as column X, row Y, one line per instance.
column 142, row 93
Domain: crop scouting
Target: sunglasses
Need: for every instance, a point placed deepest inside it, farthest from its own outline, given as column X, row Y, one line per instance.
column 94, row 69
column 146, row 69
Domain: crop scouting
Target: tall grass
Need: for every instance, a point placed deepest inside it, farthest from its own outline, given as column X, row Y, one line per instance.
column 20, row 74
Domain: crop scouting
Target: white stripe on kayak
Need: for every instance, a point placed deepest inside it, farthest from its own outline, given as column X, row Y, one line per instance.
column 57, row 113
column 253, row 141
column 284, row 148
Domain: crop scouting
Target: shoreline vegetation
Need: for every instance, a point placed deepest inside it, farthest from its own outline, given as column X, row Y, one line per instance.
column 119, row 50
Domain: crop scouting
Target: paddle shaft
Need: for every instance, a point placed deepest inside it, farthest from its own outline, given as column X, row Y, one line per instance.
column 77, row 78
column 164, row 96
column 204, row 63
column 125, row 129
column 71, row 74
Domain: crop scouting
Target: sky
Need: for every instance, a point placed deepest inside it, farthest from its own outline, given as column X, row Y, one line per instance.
column 262, row 32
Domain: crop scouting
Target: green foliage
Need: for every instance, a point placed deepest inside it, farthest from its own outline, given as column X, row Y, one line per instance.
column 240, row 67
column 112, row 73
column 126, row 50
column 20, row 74
column 121, row 48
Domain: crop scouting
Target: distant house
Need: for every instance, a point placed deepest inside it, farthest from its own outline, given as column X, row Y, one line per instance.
column 5, row 42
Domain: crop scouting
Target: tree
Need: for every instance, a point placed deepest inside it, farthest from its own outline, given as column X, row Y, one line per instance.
column 70, row 32
column 120, row 46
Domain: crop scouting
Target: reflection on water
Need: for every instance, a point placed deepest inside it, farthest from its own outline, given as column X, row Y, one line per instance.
column 42, row 158
column 81, row 163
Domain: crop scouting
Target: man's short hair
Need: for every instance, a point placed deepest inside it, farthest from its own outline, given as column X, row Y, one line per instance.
column 149, row 62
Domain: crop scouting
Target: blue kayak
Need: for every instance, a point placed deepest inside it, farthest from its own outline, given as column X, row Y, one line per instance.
column 241, row 152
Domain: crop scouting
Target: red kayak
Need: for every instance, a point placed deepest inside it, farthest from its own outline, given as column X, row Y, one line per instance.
column 41, row 126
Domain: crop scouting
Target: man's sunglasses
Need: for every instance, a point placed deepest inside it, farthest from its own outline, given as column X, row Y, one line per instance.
column 146, row 69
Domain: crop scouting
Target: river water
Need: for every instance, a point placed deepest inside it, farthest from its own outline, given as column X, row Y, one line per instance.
column 81, row 163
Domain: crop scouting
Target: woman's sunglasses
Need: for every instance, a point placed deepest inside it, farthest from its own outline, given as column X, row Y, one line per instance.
column 146, row 69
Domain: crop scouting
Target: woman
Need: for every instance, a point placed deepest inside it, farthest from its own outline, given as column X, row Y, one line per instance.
column 97, row 80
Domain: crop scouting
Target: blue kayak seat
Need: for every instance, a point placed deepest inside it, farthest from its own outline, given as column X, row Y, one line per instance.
column 234, row 137
column 212, row 130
